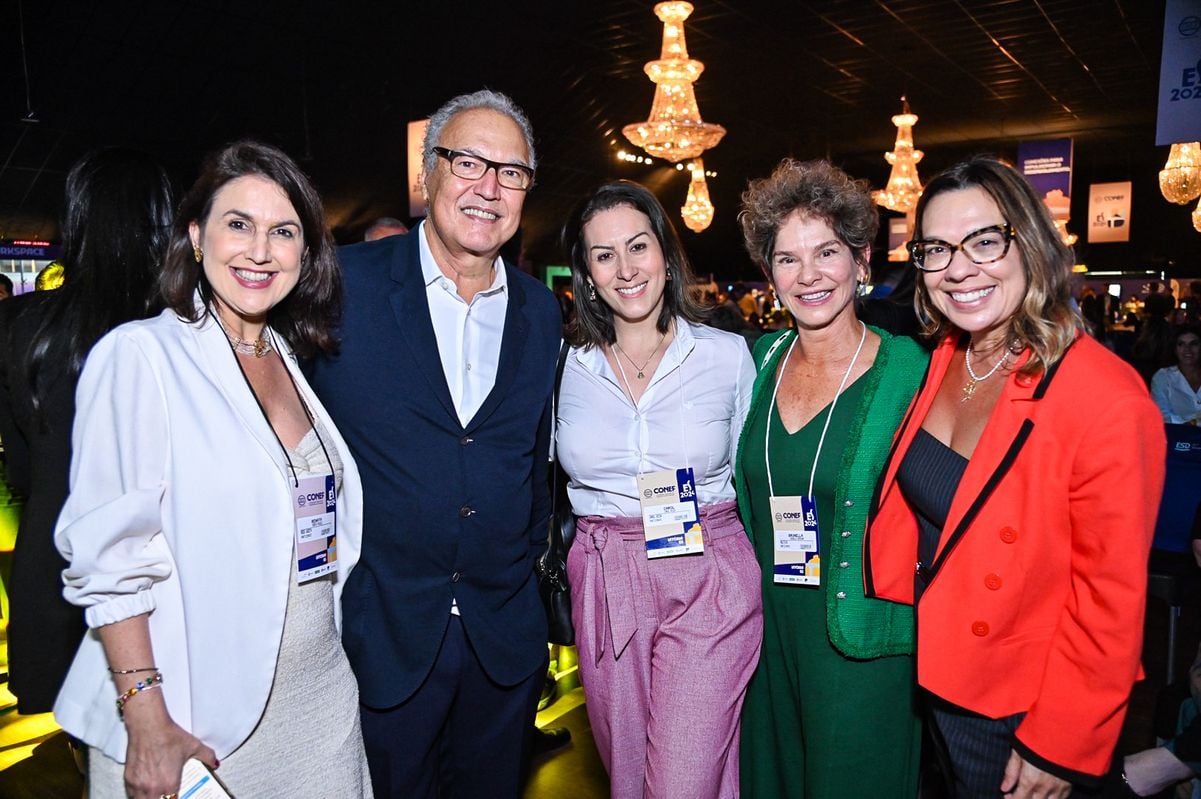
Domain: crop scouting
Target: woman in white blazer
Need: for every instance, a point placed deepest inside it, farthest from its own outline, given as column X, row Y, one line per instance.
column 215, row 512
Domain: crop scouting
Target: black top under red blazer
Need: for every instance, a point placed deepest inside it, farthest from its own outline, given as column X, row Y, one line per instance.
column 450, row 511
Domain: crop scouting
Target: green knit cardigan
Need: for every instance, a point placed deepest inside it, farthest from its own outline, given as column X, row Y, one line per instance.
column 858, row 627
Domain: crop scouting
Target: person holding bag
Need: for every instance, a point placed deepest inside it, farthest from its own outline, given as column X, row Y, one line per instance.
column 664, row 583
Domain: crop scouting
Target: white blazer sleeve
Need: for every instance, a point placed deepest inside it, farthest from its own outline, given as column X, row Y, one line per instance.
column 110, row 529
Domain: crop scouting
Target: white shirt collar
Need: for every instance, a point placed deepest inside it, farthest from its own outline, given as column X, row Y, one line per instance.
column 683, row 343
column 431, row 273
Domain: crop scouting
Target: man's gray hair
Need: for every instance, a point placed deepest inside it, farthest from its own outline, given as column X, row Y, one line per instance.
column 486, row 99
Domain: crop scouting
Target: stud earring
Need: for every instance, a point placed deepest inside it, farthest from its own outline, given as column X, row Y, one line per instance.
column 592, row 291
column 668, row 275
column 198, row 254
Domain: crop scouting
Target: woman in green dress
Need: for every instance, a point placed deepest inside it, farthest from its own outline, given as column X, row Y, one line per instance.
column 830, row 712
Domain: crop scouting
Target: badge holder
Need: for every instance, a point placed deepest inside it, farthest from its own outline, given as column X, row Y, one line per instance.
column 797, row 546
column 314, row 503
column 671, row 519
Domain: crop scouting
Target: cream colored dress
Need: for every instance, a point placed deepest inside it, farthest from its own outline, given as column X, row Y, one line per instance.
column 308, row 744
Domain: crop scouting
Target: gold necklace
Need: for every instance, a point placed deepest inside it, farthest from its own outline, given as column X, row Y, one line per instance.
column 641, row 369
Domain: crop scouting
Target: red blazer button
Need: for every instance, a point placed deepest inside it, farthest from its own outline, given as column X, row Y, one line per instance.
column 980, row 628
column 992, row 582
column 1009, row 535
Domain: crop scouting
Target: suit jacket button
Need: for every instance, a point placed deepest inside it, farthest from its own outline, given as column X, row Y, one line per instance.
column 980, row 628
column 841, row 595
column 992, row 582
column 846, row 533
column 466, row 511
column 850, row 503
column 1009, row 535
column 454, row 578
column 843, row 565
column 465, row 440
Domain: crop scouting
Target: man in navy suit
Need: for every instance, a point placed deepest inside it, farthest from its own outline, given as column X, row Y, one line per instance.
column 442, row 389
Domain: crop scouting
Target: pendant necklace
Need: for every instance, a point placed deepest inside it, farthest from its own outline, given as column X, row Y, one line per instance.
column 641, row 369
column 969, row 388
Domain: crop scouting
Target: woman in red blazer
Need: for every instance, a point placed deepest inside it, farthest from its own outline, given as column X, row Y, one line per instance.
column 1024, row 483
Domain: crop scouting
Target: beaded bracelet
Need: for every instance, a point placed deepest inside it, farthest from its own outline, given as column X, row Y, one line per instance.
column 132, row 671
column 153, row 681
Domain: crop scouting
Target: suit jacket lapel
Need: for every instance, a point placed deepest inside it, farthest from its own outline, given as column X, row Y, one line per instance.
column 412, row 311
column 512, row 347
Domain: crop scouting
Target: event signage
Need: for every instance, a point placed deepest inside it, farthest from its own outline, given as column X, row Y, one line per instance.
column 416, row 144
column 1179, row 117
column 27, row 249
column 1108, row 212
column 1048, row 166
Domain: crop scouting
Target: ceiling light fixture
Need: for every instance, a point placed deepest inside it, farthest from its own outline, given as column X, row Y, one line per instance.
column 903, row 187
column 675, row 130
column 698, row 209
column 1180, row 178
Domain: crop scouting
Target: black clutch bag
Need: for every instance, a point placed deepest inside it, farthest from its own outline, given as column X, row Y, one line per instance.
column 551, row 567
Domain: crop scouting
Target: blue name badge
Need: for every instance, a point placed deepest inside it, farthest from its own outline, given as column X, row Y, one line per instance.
column 315, row 505
column 795, row 539
column 671, row 515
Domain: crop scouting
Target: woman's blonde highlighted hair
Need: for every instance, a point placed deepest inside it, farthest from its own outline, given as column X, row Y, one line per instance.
column 1046, row 321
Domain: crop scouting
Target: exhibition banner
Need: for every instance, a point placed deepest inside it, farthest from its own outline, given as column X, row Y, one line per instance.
column 1048, row 166
column 1179, row 117
column 1108, row 212
column 416, row 140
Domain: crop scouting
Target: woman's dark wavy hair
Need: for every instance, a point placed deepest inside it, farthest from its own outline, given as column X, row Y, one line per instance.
column 306, row 318
column 1045, row 321
column 114, row 233
column 593, row 323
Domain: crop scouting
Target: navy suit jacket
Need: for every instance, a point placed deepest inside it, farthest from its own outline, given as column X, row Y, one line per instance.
column 450, row 511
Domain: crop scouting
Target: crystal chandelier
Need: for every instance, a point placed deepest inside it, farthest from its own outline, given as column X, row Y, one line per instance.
column 674, row 131
column 903, row 187
column 1180, row 178
column 697, row 210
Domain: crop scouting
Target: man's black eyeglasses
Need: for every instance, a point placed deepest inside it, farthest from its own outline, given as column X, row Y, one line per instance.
column 470, row 166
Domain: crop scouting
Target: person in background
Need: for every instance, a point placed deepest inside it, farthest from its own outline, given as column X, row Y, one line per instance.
column 115, row 229
column 443, row 389
column 384, row 227
column 1177, row 389
column 830, row 711
column 1154, row 348
column 6, row 287
column 668, row 622
column 214, row 512
column 1030, row 541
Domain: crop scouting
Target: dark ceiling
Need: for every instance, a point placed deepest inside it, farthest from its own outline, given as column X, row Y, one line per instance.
column 335, row 84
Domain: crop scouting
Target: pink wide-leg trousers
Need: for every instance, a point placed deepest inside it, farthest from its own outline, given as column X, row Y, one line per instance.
column 666, row 649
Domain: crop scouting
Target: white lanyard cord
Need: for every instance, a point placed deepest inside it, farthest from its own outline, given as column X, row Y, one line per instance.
column 771, row 408
column 630, row 396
